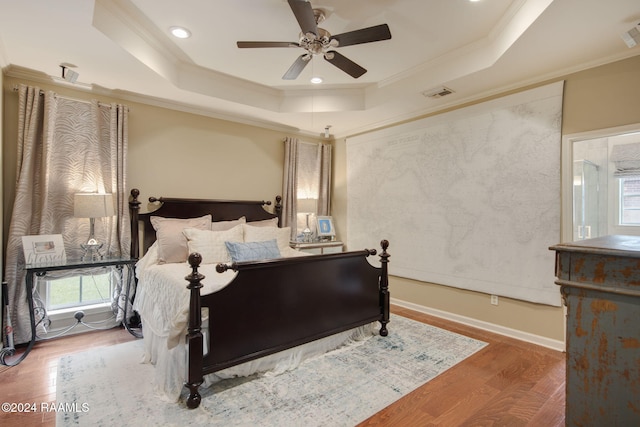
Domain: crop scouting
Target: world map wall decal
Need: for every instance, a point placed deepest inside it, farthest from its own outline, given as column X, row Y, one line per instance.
column 468, row 198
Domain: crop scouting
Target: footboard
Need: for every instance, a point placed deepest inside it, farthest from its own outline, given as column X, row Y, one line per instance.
column 275, row 305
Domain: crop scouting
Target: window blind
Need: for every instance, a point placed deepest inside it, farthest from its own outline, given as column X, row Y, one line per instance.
column 626, row 158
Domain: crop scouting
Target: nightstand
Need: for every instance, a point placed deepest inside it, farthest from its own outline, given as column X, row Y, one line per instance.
column 39, row 270
column 318, row 247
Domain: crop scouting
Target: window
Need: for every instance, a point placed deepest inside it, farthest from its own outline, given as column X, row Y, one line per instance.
column 76, row 291
column 629, row 209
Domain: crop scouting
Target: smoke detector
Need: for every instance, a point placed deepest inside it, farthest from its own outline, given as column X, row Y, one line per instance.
column 438, row 92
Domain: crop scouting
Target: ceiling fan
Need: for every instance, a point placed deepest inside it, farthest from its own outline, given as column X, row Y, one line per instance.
column 318, row 41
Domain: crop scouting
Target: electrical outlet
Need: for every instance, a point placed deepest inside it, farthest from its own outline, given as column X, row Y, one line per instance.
column 494, row 299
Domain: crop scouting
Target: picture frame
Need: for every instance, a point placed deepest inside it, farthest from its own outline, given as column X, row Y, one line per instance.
column 325, row 226
column 43, row 248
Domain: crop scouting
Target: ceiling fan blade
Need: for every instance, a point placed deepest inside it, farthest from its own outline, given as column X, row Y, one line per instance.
column 345, row 64
column 304, row 14
column 296, row 68
column 250, row 44
column 364, row 35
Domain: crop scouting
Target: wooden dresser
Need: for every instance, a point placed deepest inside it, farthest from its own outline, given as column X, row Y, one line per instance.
column 600, row 284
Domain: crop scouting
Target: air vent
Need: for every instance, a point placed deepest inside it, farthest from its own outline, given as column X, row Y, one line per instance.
column 437, row 92
column 632, row 37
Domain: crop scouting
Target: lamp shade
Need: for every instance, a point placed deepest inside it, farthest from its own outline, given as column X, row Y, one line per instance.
column 306, row 205
column 92, row 205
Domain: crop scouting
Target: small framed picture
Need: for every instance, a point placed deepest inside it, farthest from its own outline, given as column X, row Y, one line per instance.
column 325, row 227
column 43, row 248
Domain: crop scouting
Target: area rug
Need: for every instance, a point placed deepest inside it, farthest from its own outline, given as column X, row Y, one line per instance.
column 108, row 386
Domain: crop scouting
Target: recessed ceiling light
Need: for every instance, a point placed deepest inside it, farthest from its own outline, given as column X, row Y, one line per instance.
column 316, row 80
column 180, row 32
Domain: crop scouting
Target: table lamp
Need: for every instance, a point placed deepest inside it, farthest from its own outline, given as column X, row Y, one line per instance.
column 92, row 206
column 307, row 207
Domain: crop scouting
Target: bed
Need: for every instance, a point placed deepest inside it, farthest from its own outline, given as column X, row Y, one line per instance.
column 209, row 316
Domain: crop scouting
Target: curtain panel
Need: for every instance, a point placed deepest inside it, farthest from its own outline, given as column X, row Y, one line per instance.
column 307, row 176
column 65, row 146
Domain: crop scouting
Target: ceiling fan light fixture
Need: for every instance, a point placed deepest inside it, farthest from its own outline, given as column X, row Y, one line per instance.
column 180, row 32
column 317, row 41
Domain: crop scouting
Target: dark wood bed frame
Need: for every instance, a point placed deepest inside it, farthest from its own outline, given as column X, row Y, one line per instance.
column 270, row 305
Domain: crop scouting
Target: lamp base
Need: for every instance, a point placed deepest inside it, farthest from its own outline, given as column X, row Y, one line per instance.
column 307, row 233
column 91, row 251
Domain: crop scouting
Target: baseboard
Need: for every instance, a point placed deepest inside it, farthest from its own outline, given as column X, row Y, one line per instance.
column 486, row 326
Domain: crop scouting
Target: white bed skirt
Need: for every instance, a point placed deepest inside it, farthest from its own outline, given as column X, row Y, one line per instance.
column 171, row 364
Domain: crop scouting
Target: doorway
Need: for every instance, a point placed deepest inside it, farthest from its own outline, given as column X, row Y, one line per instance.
column 593, row 195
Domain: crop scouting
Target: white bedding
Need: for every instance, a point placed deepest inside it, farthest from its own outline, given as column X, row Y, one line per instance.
column 162, row 301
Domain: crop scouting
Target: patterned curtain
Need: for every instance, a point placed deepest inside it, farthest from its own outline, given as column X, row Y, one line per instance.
column 307, row 176
column 65, row 146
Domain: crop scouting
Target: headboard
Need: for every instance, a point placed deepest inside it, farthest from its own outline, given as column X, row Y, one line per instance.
column 220, row 210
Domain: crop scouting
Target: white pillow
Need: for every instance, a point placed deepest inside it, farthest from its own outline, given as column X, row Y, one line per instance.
column 226, row 225
column 273, row 222
column 210, row 244
column 172, row 245
column 261, row 234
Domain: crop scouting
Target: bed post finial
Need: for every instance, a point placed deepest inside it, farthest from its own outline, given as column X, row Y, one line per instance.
column 194, row 333
column 134, row 209
column 384, row 288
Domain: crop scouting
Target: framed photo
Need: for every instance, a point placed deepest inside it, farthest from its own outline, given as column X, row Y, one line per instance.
column 325, row 227
column 43, row 248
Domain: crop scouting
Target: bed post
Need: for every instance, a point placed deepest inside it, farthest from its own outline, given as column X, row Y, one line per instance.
column 134, row 208
column 194, row 333
column 277, row 209
column 384, row 288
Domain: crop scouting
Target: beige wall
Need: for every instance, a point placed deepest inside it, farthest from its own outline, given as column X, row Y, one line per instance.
column 177, row 154
column 602, row 97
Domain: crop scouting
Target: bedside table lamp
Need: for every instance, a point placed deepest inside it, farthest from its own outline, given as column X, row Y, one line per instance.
column 92, row 206
column 307, row 207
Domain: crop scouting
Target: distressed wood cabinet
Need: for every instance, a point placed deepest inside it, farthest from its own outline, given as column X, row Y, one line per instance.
column 600, row 284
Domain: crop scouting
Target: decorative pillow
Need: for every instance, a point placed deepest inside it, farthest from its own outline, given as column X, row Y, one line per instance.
column 210, row 244
column 260, row 234
column 226, row 225
column 273, row 222
column 253, row 251
column 172, row 245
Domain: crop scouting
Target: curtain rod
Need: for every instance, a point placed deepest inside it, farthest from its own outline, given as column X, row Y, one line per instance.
column 102, row 104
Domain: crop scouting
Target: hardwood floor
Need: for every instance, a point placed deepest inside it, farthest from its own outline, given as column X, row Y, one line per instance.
column 508, row 383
